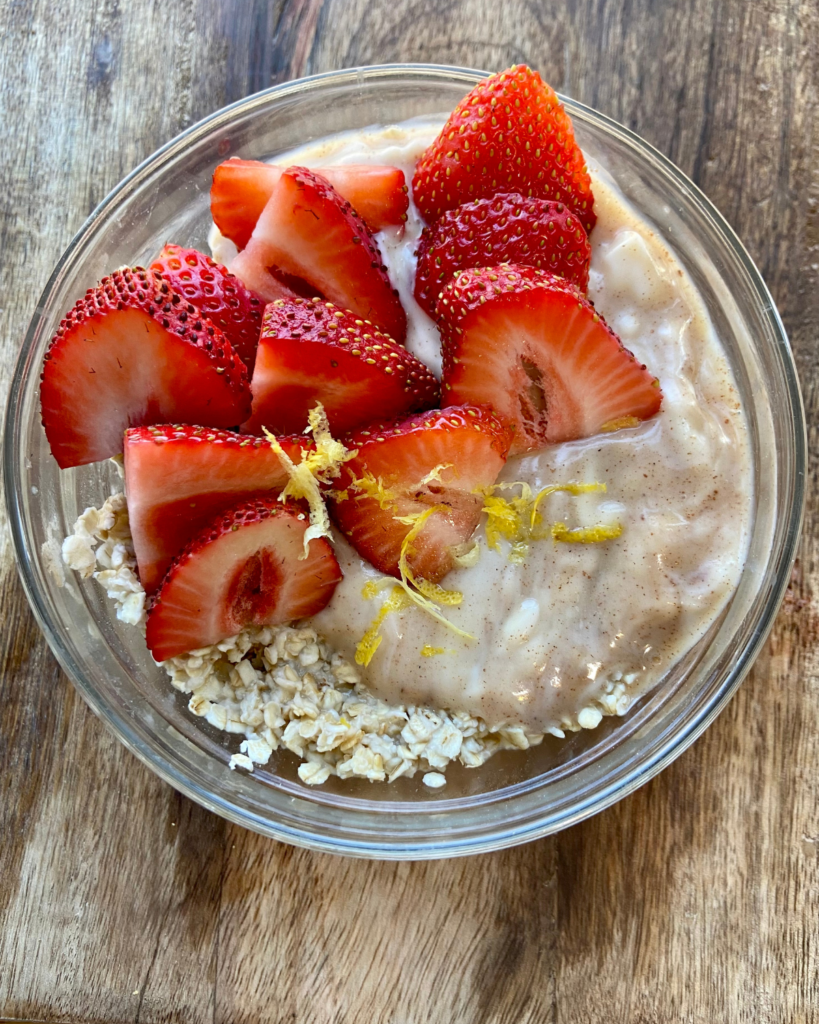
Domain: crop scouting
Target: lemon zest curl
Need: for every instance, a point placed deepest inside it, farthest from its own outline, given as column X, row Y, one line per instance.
column 371, row 641
column 519, row 521
column 434, row 475
column 316, row 467
column 586, row 534
column 409, row 590
column 373, row 487
column 421, row 597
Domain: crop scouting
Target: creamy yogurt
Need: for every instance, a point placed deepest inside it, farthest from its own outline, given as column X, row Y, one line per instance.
column 575, row 621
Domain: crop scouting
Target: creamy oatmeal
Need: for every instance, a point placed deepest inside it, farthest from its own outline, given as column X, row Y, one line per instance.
column 574, row 632
column 573, row 621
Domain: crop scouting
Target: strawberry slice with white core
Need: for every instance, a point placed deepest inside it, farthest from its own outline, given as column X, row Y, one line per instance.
column 310, row 352
column 220, row 296
column 533, row 347
column 134, row 352
column 307, row 233
column 442, row 457
column 244, row 569
column 507, row 228
column 241, row 189
column 178, row 478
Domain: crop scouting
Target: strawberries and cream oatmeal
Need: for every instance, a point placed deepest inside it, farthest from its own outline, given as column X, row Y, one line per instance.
column 437, row 455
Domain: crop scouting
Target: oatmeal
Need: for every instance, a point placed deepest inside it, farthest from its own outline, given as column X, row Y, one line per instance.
column 559, row 636
column 576, row 631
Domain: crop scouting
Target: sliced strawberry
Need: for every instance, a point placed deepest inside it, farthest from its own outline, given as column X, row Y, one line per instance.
column 133, row 352
column 244, row 569
column 309, row 232
column 218, row 294
column 378, row 193
column 239, row 193
column 509, row 134
column 441, row 457
column 506, row 228
column 178, row 478
column 311, row 352
column 241, row 189
column 532, row 346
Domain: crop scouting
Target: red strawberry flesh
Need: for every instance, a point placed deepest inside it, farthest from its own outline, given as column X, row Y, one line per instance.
column 531, row 345
column 220, row 296
column 378, row 193
column 509, row 134
column 308, row 231
column 134, row 352
column 467, row 446
column 241, row 189
column 244, row 569
column 239, row 193
column 311, row 352
column 177, row 478
column 506, row 228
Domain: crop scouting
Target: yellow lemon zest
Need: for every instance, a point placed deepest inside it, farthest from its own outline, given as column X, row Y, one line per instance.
column 466, row 555
column 434, row 475
column 517, row 519
column 568, row 488
column 372, row 588
column 416, row 521
column 371, row 641
column 319, row 466
column 518, row 552
column 428, row 596
column 507, row 517
column 620, row 424
column 428, row 651
column 586, row 534
column 435, row 593
column 503, row 519
column 372, row 487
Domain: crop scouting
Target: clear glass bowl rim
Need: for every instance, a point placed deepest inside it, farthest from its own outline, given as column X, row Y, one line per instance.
column 533, row 827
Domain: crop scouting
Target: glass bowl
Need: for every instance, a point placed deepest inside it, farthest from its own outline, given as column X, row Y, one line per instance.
column 514, row 797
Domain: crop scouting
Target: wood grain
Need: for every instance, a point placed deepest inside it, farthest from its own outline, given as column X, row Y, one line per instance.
column 694, row 900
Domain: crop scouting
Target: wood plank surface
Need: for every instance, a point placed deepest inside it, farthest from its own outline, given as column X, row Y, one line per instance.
column 696, row 899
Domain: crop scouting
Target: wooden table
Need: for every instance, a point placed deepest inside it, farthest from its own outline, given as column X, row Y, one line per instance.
column 694, row 900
